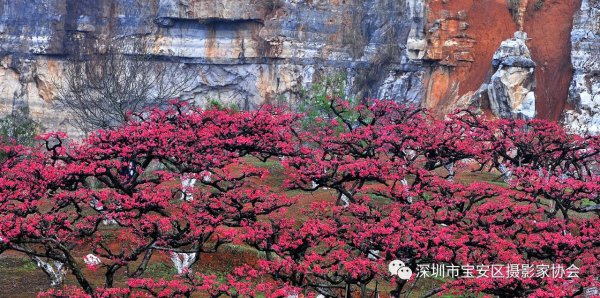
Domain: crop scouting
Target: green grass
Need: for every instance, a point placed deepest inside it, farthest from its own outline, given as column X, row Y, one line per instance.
column 160, row 270
column 234, row 248
column 29, row 266
column 587, row 202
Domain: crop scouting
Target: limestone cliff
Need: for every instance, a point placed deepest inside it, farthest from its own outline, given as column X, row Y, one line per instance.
column 584, row 92
column 245, row 51
column 436, row 53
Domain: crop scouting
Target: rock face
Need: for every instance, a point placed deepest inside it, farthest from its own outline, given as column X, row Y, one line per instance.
column 511, row 90
column 435, row 53
column 246, row 52
column 584, row 92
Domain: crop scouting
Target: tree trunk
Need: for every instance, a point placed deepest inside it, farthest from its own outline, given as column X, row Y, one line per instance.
column 183, row 261
column 87, row 287
column 363, row 290
column 187, row 186
column 405, row 184
column 55, row 270
column 450, row 168
column 506, row 173
column 142, row 267
column 398, row 290
column 110, row 275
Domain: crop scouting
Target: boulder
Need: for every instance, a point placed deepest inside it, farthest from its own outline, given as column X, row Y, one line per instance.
column 511, row 89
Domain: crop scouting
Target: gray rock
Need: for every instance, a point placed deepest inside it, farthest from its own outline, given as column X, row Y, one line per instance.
column 84, row 24
column 584, row 91
column 511, row 89
column 514, row 61
column 246, row 52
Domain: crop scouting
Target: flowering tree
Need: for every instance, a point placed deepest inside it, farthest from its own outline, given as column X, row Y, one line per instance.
column 49, row 218
column 181, row 181
column 369, row 155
